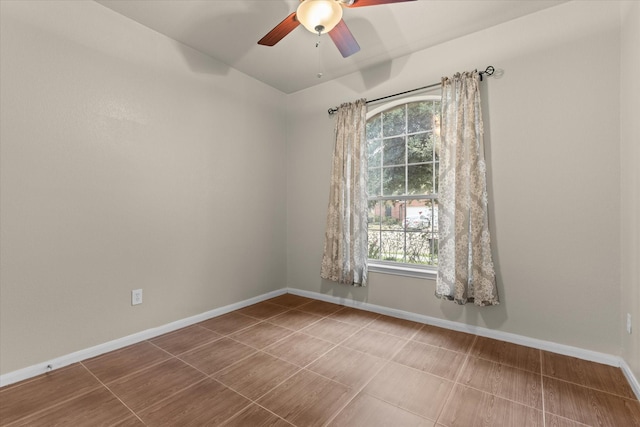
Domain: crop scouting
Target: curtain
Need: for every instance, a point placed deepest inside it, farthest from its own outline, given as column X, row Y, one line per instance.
column 465, row 267
column 345, row 244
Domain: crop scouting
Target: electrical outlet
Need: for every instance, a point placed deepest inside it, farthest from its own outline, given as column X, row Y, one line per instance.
column 136, row 297
column 628, row 323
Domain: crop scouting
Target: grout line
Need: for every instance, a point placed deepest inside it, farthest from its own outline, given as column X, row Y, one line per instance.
column 240, row 411
column 456, row 379
column 470, row 356
column 29, row 380
column 237, row 414
column 255, row 400
column 62, row 402
column 299, row 369
column 113, row 394
column 506, row 364
column 356, row 391
column 570, row 420
column 305, row 367
column 191, row 349
column 501, row 397
column 479, row 356
column 144, row 368
column 221, row 369
column 211, row 376
column 457, row 382
column 163, row 400
column 619, row 396
column 181, row 330
column 362, row 387
column 296, row 330
column 544, row 409
column 268, row 345
column 226, row 334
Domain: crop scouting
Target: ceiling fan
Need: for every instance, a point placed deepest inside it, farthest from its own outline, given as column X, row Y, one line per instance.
column 323, row 16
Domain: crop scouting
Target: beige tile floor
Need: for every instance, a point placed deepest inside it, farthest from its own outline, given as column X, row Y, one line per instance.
column 297, row 361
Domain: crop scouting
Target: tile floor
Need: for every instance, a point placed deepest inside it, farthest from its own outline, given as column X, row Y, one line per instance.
column 297, row 361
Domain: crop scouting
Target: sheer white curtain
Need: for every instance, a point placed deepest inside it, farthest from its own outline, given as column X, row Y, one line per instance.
column 345, row 244
column 465, row 266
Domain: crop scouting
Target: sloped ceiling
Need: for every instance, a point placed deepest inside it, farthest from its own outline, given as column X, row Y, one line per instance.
column 228, row 31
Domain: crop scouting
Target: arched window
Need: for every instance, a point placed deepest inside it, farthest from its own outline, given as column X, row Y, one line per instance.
column 403, row 145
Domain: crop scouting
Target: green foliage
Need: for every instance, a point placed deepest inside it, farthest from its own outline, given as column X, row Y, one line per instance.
column 403, row 149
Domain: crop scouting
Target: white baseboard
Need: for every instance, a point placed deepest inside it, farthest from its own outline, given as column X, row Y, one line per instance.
column 78, row 356
column 633, row 381
column 566, row 350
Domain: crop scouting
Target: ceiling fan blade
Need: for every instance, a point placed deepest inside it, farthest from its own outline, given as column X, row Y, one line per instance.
column 280, row 31
column 344, row 40
column 361, row 3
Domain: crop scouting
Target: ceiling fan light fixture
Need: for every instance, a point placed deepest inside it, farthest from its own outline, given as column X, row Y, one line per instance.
column 319, row 16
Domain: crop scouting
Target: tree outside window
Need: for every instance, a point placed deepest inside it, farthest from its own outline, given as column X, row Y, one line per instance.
column 403, row 146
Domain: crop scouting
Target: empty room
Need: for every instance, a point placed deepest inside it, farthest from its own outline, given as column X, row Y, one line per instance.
column 320, row 213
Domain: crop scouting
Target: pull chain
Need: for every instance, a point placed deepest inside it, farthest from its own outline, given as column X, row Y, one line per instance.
column 319, row 74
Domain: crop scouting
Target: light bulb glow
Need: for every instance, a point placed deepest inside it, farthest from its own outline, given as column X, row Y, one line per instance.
column 324, row 13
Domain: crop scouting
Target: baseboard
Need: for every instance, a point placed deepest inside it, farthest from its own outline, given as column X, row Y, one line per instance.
column 78, row 356
column 633, row 381
column 566, row 350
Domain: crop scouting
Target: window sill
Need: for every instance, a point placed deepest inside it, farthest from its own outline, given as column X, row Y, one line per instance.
column 376, row 266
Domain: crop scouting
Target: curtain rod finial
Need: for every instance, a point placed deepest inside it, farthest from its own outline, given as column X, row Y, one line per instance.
column 488, row 71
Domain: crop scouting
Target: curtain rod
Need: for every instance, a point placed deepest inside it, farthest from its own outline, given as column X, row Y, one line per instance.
column 488, row 71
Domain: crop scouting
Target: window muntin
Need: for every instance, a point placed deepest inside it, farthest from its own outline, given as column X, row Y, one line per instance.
column 403, row 146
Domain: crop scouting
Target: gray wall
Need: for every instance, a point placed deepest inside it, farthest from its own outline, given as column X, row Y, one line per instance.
column 630, row 180
column 128, row 161
column 553, row 150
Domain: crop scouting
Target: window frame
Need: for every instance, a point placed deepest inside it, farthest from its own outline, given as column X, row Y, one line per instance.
column 393, row 267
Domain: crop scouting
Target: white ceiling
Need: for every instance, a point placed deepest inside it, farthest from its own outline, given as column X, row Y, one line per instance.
column 228, row 30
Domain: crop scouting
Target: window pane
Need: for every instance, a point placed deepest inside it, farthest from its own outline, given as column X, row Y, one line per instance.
column 419, row 116
column 373, row 182
column 394, row 151
column 420, row 214
column 403, row 231
column 420, row 179
column 374, row 149
column 421, row 227
column 393, row 121
column 393, row 214
column 393, row 181
column 392, row 246
column 374, row 127
column 374, row 244
column 420, row 148
column 419, row 248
